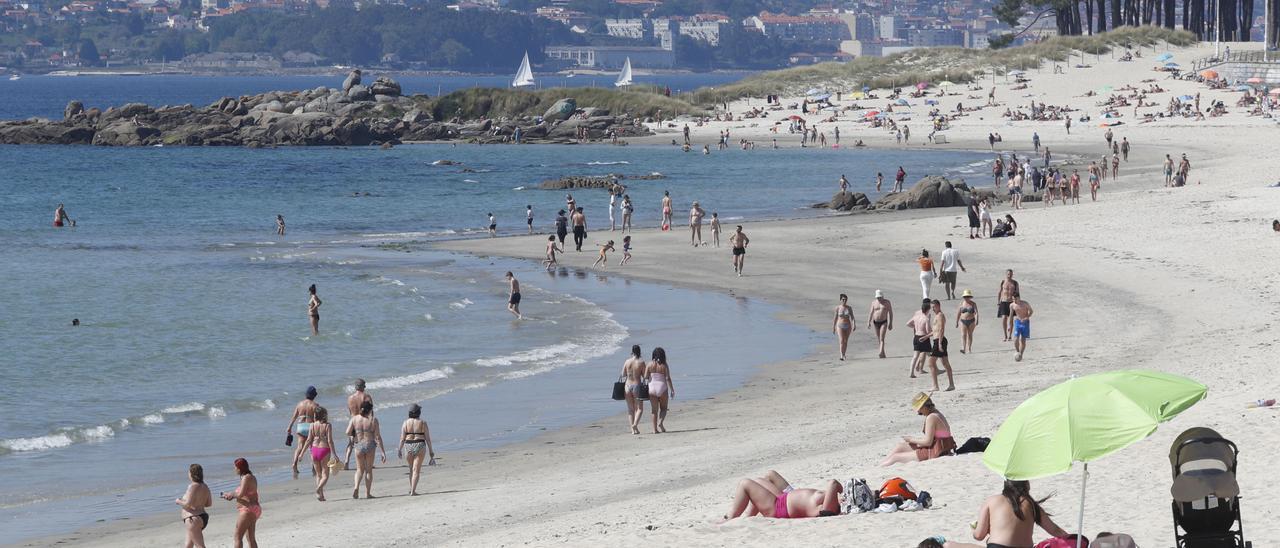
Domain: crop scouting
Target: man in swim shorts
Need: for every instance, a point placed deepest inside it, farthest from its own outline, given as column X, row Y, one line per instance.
column 773, row 497
column 579, row 228
column 920, row 337
column 303, row 415
column 1021, row 324
column 60, row 217
column 938, row 350
column 354, row 401
column 513, row 301
column 880, row 318
column 1004, row 297
column 739, row 241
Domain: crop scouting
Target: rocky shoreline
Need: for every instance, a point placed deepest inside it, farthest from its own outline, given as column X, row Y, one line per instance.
column 355, row 115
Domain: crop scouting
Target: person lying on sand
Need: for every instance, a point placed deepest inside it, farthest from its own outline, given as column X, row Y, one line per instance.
column 773, row 497
column 1007, row 520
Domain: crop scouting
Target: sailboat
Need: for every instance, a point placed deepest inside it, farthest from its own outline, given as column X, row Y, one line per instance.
column 524, row 76
column 624, row 79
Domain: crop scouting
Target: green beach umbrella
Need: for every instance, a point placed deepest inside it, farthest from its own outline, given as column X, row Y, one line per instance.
column 1084, row 419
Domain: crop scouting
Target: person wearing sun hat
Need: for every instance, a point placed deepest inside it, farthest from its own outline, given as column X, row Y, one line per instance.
column 967, row 320
column 937, row 440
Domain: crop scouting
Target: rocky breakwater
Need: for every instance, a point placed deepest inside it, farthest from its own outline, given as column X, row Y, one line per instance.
column 931, row 191
column 355, row 115
column 611, row 180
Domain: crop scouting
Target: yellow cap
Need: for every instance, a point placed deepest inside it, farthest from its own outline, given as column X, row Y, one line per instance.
column 919, row 401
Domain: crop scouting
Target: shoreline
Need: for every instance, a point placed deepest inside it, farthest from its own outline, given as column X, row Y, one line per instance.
column 1134, row 280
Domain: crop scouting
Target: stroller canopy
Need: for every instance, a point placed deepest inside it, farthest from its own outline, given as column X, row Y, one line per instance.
column 1204, row 465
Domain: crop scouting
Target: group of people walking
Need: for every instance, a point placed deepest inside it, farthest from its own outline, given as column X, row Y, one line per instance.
column 650, row 381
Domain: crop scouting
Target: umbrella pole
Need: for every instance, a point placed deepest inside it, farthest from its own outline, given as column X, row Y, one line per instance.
column 1084, row 481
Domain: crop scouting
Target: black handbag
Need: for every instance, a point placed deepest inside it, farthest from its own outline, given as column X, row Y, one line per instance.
column 288, row 439
column 642, row 391
column 619, row 390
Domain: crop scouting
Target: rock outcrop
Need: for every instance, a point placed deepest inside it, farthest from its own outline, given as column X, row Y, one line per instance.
column 355, row 115
column 845, row 201
column 931, row 191
column 607, row 181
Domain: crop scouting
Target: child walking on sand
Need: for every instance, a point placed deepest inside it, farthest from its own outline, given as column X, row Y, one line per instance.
column 603, row 260
column 551, row 253
column 626, row 250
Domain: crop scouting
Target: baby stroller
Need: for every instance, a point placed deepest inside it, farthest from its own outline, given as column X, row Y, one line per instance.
column 1206, row 497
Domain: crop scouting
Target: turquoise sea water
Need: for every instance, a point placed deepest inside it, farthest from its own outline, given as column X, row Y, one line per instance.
column 194, row 344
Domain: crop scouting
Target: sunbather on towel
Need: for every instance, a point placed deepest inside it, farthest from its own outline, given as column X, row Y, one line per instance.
column 773, row 497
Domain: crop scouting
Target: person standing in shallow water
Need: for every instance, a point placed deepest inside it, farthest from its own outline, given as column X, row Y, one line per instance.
column 661, row 389
column 313, row 310
column 513, row 299
column 280, row 225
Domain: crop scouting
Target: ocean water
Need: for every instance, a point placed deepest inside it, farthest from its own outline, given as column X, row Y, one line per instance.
column 194, row 344
column 46, row 96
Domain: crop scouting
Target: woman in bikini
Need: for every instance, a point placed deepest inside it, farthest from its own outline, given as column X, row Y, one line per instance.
column 368, row 437
column 313, row 310
column 194, row 516
column 321, row 444
column 632, row 373
column 842, row 324
column 967, row 320
column 937, row 440
column 661, row 389
column 415, row 436
column 773, row 497
column 247, row 505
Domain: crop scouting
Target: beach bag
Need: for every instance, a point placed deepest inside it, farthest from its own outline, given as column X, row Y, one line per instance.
column 1118, row 540
column 288, row 439
column 334, row 464
column 619, row 390
column 642, row 391
column 1068, row 541
column 860, row 497
column 896, row 490
column 974, row 445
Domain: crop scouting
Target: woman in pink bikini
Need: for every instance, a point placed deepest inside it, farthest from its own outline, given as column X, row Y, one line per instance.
column 246, row 499
column 936, row 441
column 321, row 443
column 661, row 389
column 773, row 497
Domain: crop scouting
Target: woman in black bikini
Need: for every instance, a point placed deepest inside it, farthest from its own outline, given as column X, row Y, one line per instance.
column 967, row 320
column 415, row 435
column 193, row 504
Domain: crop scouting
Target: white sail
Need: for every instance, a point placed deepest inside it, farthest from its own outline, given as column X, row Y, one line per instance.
column 524, row 76
column 624, row 79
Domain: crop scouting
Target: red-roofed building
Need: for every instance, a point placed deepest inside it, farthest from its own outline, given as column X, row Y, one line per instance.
column 802, row 28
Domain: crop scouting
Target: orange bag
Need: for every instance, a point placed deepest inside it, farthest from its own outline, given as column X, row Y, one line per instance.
column 897, row 487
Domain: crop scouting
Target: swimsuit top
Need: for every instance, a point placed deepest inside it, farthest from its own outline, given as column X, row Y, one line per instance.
column 845, row 313
column 926, row 264
column 968, row 310
column 657, row 377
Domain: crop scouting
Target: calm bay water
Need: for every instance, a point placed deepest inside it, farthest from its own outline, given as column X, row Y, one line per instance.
column 194, row 344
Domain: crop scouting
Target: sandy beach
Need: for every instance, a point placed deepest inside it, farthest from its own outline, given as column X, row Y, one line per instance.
column 1174, row 280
